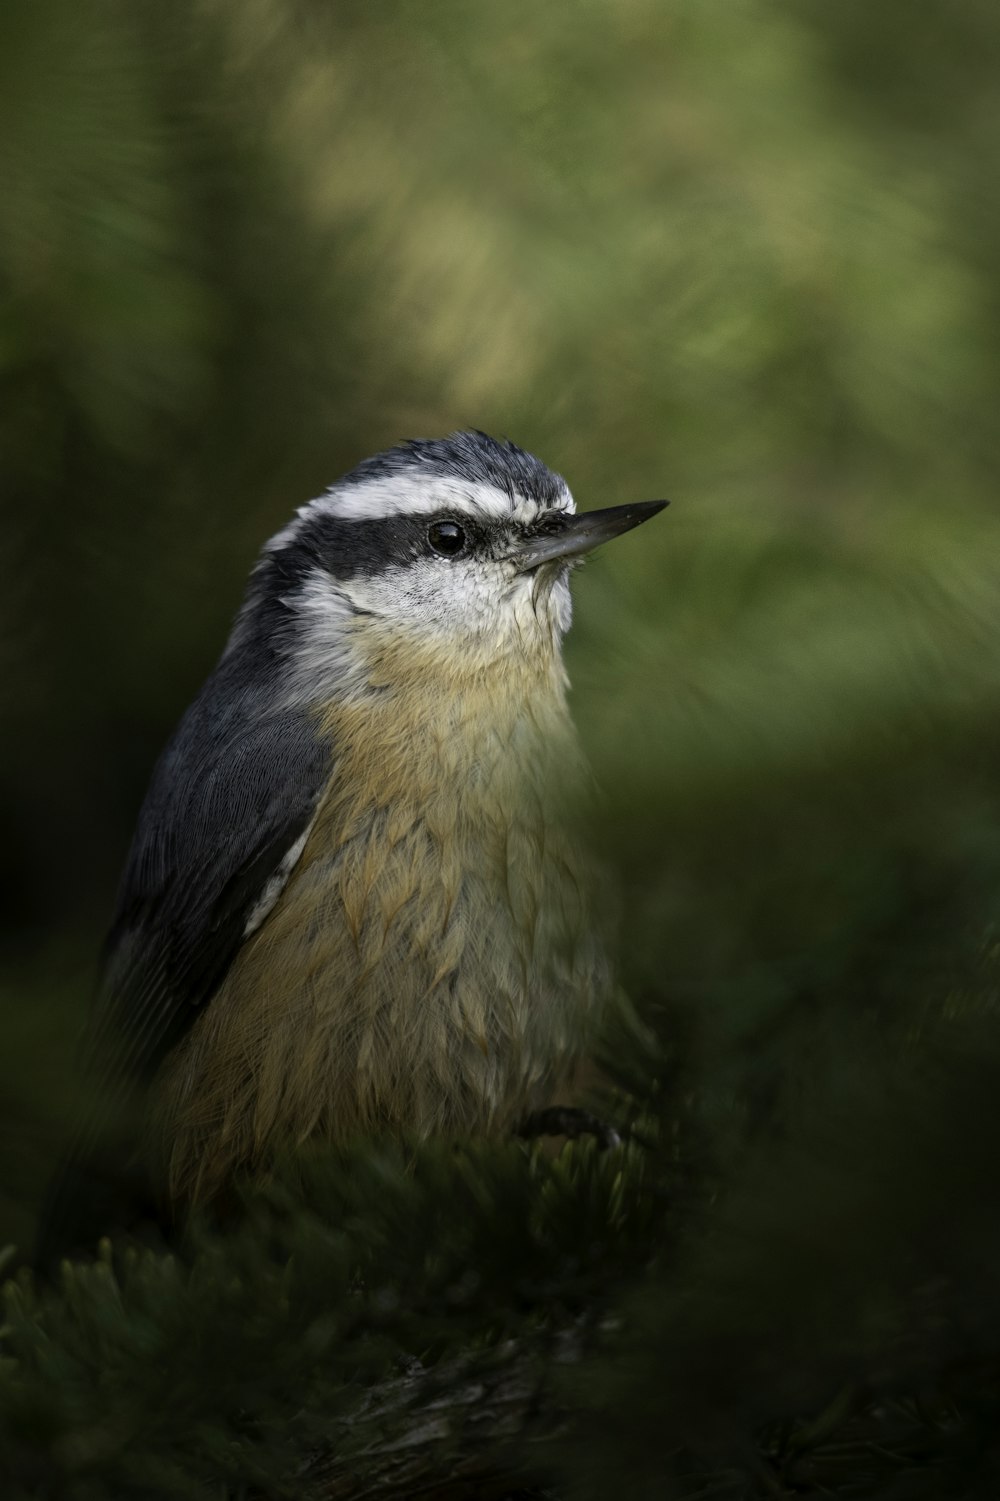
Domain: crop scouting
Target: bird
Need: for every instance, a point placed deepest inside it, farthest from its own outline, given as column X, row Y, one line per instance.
column 354, row 900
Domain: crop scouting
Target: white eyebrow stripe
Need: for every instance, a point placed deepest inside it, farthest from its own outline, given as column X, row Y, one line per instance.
column 400, row 495
column 407, row 495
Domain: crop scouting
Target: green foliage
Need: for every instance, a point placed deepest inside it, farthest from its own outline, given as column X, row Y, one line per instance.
column 740, row 255
column 163, row 1377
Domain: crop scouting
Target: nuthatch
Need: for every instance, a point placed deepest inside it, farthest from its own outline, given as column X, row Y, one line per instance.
column 351, row 902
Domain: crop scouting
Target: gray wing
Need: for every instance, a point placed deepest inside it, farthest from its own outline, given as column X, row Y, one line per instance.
column 225, row 816
column 229, row 802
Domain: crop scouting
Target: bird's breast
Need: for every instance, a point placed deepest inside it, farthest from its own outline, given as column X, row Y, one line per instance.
column 432, row 962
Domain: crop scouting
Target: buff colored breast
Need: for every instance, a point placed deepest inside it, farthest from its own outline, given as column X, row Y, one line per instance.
column 432, row 963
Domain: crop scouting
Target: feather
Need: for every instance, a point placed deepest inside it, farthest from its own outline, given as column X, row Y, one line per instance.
column 230, row 802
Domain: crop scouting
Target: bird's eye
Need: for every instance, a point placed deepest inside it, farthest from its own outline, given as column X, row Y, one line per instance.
column 447, row 538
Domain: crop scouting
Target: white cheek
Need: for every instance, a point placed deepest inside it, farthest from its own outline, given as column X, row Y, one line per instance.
column 560, row 604
column 464, row 602
column 542, row 606
column 431, row 599
column 471, row 605
column 323, row 663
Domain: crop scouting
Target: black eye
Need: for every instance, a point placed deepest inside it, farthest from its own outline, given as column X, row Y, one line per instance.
column 447, row 538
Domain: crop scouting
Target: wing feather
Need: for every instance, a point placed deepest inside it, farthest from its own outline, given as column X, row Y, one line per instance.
column 215, row 835
column 228, row 805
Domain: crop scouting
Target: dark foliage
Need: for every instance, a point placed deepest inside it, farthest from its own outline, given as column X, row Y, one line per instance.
column 743, row 256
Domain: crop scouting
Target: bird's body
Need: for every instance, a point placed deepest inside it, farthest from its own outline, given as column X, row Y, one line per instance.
column 433, row 962
column 353, row 900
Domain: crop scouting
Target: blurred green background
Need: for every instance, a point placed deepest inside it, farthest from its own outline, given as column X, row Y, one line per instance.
column 743, row 255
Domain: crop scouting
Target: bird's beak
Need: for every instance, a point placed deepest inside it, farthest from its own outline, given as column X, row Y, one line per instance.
column 567, row 536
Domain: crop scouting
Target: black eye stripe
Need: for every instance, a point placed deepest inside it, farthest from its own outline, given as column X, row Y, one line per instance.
column 367, row 546
column 370, row 545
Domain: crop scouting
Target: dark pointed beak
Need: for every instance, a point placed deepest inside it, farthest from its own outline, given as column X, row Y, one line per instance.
column 567, row 536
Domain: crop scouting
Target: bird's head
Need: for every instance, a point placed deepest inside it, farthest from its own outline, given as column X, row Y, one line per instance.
column 453, row 551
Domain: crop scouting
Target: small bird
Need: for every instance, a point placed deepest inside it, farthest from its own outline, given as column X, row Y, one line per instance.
column 353, row 901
